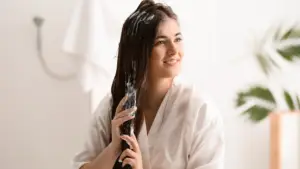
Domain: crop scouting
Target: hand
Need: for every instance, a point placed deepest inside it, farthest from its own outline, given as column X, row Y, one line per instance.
column 133, row 155
column 121, row 116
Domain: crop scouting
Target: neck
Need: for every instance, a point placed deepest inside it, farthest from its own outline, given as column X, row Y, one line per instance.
column 154, row 93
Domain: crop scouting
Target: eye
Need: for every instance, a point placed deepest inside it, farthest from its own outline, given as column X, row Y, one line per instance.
column 161, row 42
column 178, row 39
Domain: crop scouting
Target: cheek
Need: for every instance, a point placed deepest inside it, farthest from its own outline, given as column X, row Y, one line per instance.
column 157, row 54
column 156, row 60
column 156, row 57
column 180, row 51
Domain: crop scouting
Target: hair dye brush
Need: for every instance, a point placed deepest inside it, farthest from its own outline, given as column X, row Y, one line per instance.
column 128, row 126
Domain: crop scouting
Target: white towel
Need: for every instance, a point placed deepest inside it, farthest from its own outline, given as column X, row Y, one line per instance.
column 91, row 44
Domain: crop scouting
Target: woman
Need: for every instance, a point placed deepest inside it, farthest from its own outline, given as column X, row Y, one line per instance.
column 174, row 126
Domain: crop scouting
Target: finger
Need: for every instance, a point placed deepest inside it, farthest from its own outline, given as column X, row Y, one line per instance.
column 121, row 103
column 127, row 154
column 126, row 112
column 129, row 161
column 118, row 131
column 132, row 142
column 118, row 122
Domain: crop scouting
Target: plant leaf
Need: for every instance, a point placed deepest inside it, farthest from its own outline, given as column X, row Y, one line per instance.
column 257, row 92
column 298, row 102
column 277, row 33
column 291, row 33
column 287, row 34
column 289, row 100
column 274, row 63
column 257, row 113
column 263, row 63
column 240, row 99
column 261, row 93
column 290, row 53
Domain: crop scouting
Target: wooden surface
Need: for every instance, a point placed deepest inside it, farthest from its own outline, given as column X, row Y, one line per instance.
column 275, row 133
column 277, row 136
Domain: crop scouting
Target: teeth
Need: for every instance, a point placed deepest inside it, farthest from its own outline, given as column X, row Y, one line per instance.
column 171, row 61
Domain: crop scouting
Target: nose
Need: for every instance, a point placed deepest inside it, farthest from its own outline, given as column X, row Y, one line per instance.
column 172, row 49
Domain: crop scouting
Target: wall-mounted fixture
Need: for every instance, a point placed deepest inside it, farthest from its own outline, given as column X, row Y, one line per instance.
column 38, row 22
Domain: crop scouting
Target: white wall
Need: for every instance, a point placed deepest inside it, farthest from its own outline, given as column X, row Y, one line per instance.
column 42, row 121
column 238, row 22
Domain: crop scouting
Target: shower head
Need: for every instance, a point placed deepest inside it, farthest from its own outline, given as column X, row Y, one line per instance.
column 38, row 21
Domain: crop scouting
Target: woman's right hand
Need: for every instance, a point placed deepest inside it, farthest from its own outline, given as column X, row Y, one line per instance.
column 121, row 116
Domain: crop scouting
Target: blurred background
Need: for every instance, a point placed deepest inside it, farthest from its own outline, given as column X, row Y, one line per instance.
column 57, row 61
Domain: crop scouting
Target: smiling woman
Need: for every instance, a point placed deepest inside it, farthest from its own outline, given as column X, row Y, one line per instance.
column 167, row 52
column 175, row 126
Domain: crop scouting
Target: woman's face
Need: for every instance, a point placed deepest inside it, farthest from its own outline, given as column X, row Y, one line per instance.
column 167, row 52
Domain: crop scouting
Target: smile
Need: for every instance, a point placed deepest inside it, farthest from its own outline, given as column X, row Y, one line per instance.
column 171, row 62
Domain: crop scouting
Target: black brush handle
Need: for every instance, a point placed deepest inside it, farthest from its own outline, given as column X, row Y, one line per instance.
column 126, row 126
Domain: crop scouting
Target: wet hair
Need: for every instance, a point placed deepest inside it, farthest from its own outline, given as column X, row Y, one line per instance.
column 135, row 47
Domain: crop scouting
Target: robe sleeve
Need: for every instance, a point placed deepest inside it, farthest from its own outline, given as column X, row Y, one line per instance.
column 207, row 148
column 97, row 137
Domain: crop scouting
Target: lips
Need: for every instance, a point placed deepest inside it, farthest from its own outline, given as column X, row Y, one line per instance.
column 172, row 61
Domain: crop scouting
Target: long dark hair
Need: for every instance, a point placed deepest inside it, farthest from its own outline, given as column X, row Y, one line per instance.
column 135, row 47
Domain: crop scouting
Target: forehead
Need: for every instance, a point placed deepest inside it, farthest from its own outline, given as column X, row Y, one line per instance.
column 167, row 27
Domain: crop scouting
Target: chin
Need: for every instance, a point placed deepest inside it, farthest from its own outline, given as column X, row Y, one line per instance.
column 171, row 73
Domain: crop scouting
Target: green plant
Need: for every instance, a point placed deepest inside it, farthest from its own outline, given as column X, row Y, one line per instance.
column 284, row 44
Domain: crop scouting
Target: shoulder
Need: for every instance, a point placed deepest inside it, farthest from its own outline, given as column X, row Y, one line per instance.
column 103, row 110
column 200, row 103
column 188, row 93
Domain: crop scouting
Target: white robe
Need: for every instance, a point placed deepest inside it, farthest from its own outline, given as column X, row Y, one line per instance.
column 187, row 133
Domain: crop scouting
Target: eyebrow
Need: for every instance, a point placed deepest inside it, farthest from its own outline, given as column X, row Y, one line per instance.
column 162, row 36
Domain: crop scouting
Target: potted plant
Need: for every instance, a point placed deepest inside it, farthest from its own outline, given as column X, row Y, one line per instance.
column 285, row 45
column 284, row 124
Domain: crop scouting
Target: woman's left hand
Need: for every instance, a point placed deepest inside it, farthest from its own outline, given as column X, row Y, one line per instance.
column 133, row 155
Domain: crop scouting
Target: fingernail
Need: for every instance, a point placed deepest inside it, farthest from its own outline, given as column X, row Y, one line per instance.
column 120, row 160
